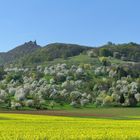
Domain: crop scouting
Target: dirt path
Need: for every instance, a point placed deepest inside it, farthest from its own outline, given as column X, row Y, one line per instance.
column 58, row 113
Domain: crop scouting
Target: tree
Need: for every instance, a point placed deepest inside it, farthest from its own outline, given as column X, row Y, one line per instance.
column 117, row 55
column 122, row 99
column 132, row 100
column 15, row 77
column 107, row 100
column 52, row 104
column 2, row 73
column 105, row 52
column 121, row 72
column 104, row 60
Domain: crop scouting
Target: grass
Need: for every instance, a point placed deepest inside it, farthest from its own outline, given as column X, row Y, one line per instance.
column 101, row 112
column 126, row 111
column 83, row 59
column 75, row 60
column 92, row 109
column 111, row 113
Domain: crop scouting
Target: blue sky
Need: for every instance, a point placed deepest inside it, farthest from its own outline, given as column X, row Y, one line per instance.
column 86, row 22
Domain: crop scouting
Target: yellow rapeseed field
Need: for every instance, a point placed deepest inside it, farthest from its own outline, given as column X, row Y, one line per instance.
column 37, row 127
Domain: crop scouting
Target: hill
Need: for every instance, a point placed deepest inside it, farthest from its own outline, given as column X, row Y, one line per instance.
column 30, row 53
column 18, row 52
column 2, row 58
column 54, row 51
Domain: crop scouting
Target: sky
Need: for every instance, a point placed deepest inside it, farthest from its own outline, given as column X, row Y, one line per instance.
column 85, row 22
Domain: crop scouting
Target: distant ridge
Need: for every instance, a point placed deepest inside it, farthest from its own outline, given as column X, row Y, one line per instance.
column 31, row 53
